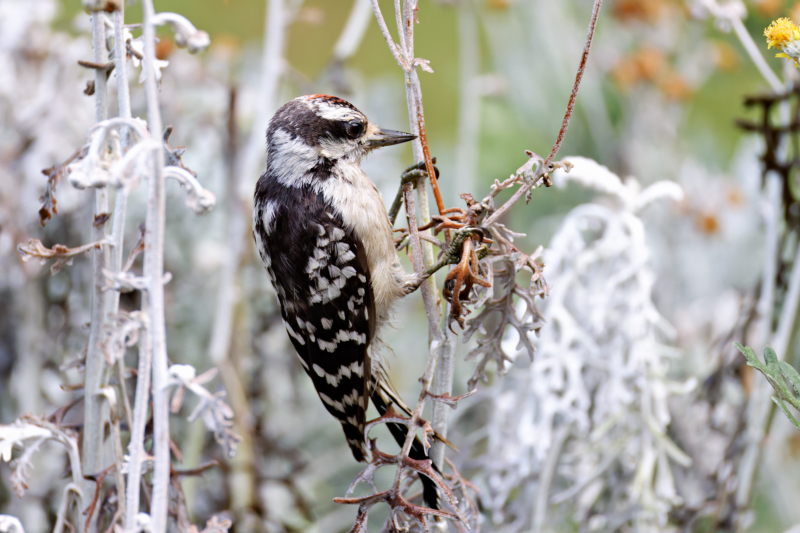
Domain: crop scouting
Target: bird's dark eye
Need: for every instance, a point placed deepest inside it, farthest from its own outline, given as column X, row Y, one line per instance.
column 354, row 129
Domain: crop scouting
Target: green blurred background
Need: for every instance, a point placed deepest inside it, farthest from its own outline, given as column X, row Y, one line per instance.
column 709, row 108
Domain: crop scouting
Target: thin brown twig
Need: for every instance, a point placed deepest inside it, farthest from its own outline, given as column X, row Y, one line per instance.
column 544, row 167
column 97, row 66
column 62, row 254
column 54, row 175
column 183, row 472
column 136, row 250
column 451, row 401
column 578, row 77
column 394, row 496
column 98, row 479
column 426, row 151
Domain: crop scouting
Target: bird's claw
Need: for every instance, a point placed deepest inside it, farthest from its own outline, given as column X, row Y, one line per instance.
column 453, row 253
column 417, row 171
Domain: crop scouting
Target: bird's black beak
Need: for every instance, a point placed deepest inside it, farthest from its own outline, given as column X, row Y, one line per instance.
column 387, row 138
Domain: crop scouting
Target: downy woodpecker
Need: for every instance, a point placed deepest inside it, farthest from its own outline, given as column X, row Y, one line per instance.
column 321, row 228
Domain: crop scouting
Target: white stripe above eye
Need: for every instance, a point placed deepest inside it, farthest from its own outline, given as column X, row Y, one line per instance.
column 337, row 112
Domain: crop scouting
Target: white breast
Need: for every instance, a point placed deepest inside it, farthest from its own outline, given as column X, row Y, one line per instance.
column 363, row 211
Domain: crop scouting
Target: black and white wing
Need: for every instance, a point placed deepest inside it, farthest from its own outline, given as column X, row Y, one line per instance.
column 320, row 272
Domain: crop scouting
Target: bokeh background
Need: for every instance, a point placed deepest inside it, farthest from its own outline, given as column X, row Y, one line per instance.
column 665, row 84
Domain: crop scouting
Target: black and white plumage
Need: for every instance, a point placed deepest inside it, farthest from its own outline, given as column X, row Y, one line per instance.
column 322, row 231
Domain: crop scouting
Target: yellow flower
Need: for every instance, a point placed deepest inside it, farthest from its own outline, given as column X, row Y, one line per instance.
column 784, row 35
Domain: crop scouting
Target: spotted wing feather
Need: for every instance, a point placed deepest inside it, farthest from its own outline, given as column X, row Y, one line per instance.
column 320, row 272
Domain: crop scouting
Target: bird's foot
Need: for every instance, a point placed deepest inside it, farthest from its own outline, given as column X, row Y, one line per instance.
column 409, row 175
column 452, row 255
column 417, row 171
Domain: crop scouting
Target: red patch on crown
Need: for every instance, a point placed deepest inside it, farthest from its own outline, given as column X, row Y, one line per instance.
column 328, row 98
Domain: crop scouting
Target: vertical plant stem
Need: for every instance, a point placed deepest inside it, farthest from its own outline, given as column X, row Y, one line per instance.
column 443, row 384
column 136, row 444
column 755, row 54
column 63, row 508
column 402, row 55
column 223, row 319
column 433, row 323
column 429, row 285
column 154, row 272
column 246, row 169
column 760, row 406
column 546, row 477
column 121, row 198
column 99, row 56
column 94, row 405
column 442, row 344
column 116, row 439
column 393, row 48
column 428, row 297
column 124, row 104
column 413, row 100
column 466, row 162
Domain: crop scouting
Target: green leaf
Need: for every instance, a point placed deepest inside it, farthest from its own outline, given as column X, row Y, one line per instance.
column 780, row 404
column 752, row 358
column 791, row 374
column 777, row 373
column 770, row 357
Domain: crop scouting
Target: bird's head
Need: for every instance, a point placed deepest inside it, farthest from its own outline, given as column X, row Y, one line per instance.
column 320, row 127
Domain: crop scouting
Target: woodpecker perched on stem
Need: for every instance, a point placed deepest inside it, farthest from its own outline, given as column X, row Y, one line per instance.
column 323, row 234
